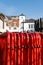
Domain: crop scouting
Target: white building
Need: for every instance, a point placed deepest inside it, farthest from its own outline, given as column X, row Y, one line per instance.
column 22, row 18
column 16, row 23
column 29, row 25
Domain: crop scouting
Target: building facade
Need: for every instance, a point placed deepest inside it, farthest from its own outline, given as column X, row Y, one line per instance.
column 29, row 25
column 16, row 23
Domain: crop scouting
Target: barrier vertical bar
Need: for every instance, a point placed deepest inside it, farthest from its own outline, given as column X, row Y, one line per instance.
column 19, row 49
column 41, row 48
column 32, row 41
column 15, row 49
column 8, row 49
column 38, row 42
column 23, row 49
column 28, row 48
column 4, row 49
column 12, row 49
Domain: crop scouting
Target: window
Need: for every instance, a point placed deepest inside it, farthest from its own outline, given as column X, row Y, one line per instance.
column 31, row 25
column 14, row 25
column 14, row 28
column 22, row 17
column 10, row 28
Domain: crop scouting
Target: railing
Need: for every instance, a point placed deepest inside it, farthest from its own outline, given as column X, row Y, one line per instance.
column 21, row 48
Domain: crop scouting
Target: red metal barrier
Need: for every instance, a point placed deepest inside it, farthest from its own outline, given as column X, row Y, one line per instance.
column 33, row 49
column 3, row 49
column 38, row 48
column 29, row 49
column 21, row 48
column 12, row 49
column 8, row 51
column 42, row 49
column 15, row 50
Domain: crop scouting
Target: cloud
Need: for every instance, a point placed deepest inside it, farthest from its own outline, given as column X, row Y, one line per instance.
column 8, row 10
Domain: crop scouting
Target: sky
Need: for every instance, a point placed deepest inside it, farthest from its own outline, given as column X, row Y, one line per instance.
column 30, row 8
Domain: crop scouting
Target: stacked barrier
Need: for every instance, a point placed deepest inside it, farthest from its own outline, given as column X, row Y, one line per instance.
column 21, row 48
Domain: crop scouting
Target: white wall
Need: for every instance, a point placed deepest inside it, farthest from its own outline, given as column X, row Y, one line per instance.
column 21, row 19
column 1, row 24
column 26, row 27
column 12, row 29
